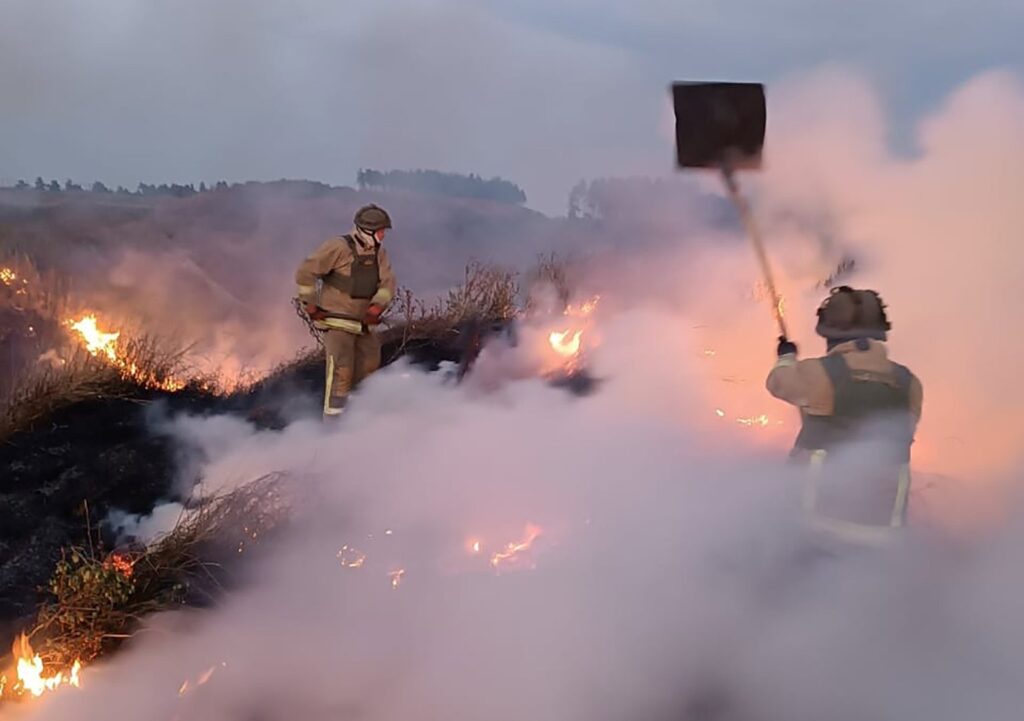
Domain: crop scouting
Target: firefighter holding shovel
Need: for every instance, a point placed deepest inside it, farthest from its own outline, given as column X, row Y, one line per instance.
column 858, row 409
column 356, row 284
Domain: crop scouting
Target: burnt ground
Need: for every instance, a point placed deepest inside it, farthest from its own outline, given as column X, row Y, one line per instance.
column 60, row 478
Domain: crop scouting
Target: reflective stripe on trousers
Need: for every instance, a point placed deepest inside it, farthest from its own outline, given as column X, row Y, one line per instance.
column 848, row 530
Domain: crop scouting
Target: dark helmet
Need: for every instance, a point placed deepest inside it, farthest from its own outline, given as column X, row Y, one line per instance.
column 848, row 314
column 372, row 218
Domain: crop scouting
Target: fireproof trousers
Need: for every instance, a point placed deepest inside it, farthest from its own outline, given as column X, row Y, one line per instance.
column 350, row 358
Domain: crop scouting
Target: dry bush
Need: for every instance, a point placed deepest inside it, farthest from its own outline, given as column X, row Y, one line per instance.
column 548, row 284
column 98, row 599
column 486, row 292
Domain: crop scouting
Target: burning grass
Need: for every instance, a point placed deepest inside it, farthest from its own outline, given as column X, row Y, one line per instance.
column 80, row 374
column 97, row 598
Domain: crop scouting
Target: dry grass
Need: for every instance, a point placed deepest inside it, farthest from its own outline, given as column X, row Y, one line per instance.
column 45, row 388
column 98, row 599
column 487, row 292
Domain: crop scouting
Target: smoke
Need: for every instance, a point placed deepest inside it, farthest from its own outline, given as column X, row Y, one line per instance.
column 671, row 576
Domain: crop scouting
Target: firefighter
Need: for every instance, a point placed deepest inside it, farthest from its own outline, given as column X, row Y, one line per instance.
column 356, row 285
column 859, row 412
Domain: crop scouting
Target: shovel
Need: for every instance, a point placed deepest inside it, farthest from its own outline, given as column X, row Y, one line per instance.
column 721, row 126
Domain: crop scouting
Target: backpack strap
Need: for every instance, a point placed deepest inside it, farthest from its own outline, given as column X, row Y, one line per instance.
column 837, row 369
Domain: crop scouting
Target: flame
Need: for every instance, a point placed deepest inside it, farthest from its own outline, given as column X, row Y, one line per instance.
column 122, row 564
column 474, row 545
column 95, row 340
column 563, row 347
column 31, row 674
column 515, row 550
column 100, row 343
column 396, row 577
column 7, row 276
column 585, row 308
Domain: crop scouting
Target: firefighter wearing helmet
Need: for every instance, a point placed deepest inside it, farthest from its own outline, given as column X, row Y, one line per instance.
column 859, row 412
column 345, row 286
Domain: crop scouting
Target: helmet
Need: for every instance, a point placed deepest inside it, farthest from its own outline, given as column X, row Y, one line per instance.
column 848, row 314
column 372, row 218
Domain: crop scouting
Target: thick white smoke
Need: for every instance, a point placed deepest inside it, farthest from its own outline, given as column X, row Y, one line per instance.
column 669, row 575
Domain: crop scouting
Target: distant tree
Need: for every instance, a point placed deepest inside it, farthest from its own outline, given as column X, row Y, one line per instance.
column 68, row 185
column 22, row 185
column 54, row 186
column 99, row 187
column 40, row 184
column 121, row 190
column 202, row 187
column 451, row 184
column 145, row 189
column 577, row 196
column 221, row 185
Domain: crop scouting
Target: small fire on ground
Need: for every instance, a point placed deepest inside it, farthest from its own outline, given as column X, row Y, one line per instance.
column 568, row 343
column 105, row 344
column 30, row 676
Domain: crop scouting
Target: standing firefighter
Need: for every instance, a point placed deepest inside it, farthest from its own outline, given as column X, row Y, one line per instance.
column 357, row 284
column 859, row 412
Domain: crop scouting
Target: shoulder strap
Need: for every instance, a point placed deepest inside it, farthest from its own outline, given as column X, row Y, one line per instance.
column 903, row 377
column 837, row 369
column 355, row 250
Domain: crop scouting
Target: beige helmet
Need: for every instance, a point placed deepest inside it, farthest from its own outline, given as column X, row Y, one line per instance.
column 848, row 314
column 372, row 218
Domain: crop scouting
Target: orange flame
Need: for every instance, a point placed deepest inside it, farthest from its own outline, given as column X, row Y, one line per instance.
column 122, row 564
column 100, row 343
column 32, row 678
column 396, row 577
column 563, row 347
column 513, row 552
column 7, row 276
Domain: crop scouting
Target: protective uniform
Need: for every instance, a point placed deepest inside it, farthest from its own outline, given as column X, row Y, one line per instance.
column 356, row 282
column 859, row 411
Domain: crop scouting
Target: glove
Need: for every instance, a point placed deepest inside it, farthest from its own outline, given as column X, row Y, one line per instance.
column 373, row 314
column 314, row 311
column 786, row 346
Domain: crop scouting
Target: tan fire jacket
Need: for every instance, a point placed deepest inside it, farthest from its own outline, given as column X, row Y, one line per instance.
column 336, row 255
column 805, row 384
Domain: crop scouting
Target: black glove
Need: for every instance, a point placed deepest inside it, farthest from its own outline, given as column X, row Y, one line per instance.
column 786, row 346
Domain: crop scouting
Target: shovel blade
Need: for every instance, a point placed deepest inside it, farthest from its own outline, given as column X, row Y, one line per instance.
column 719, row 124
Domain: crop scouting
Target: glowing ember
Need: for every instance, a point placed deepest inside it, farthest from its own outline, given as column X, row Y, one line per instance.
column 31, row 674
column 99, row 343
column 513, row 554
column 7, row 276
column 474, row 546
column 565, row 345
column 761, row 420
column 122, row 564
column 206, row 675
column 720, row 413
column 396, row 577
column 350, row 557
column 585, row 308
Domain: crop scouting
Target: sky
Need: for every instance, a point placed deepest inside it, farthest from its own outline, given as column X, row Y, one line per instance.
column 541, row 92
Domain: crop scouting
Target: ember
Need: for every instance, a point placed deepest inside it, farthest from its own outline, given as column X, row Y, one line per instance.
column 7, row 276
column 396, row 577
column 350, row 557
column 514, row 554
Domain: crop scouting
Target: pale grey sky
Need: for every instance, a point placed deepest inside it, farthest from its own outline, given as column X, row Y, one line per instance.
column 543, row 92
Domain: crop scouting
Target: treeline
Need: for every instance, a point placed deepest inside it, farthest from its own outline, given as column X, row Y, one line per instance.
column 173, row 190
column 451, row 184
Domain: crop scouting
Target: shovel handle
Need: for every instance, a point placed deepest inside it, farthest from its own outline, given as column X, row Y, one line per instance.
column 754, row 233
